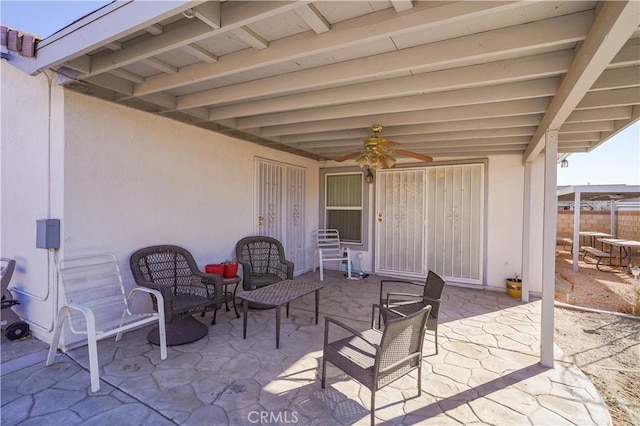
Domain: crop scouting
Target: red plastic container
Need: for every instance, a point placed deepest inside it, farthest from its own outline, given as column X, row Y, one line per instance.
column 230, row 270
column 214, row 268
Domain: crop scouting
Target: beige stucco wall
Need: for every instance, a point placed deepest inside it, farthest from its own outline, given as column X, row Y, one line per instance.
column 31, row 125
column 135, row 179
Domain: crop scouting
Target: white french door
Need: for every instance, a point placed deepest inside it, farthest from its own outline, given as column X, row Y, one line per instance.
column 400, row 222
column 431, row 218
column 280, row 201
column 455, row 217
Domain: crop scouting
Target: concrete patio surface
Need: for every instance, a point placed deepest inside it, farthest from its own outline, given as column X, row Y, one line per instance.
column 487, row 372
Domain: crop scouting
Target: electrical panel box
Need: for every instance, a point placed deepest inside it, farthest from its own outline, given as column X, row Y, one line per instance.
column 48, row 233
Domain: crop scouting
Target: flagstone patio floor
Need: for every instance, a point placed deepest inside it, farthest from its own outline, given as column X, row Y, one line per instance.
column 487, row 371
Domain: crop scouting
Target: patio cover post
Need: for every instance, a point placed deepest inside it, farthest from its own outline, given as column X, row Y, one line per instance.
column 613, row 206
column 576, row 229
column 549, row 246
column 526, row 233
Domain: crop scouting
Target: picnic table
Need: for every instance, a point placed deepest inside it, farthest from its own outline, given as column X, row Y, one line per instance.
column 593, row 235
column 623, row 245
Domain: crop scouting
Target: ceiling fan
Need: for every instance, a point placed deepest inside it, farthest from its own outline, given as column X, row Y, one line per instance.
column 377, row 152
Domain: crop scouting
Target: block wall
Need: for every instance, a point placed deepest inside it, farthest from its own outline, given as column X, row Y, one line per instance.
column 627, row 223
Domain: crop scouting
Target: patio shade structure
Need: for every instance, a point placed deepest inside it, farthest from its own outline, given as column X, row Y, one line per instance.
column 310, row 78
column 580, row 193
column 462, row 79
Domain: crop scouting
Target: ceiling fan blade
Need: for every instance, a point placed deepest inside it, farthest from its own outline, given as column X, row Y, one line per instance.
column 348, row 156
column 388, row 144
column 415, row 155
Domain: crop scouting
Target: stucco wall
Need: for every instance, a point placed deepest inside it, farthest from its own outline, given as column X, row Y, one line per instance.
column 504, row 219
column 134, row 179
column 30, row 143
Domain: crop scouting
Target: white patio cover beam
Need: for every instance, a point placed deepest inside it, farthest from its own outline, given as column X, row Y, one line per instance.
column 402, row 5
column 185, row 35
column 544, row 87
column 615, row 23
column 528, row 68
column 251, row 38
column 200, row 53
column 469, row 112
column 313, row 18
column 109, row 24
column 478, row 47
column 418, row 129
column 375, row 26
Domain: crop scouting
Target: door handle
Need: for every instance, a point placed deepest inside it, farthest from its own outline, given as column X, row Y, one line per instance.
column 260, row 220
column 380, row 217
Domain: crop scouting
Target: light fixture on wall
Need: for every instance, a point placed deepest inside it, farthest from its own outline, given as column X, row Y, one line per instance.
column 564, row 163
column 369, row 176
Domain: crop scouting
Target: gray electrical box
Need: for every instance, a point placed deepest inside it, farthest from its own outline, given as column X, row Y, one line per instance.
column 48, row 233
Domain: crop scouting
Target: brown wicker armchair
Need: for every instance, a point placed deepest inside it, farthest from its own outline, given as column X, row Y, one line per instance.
column 408, row 303
column 186, row 290
column 374, row 358
column 263, row 263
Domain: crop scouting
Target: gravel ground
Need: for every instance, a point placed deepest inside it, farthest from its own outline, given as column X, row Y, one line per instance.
column 604, row 345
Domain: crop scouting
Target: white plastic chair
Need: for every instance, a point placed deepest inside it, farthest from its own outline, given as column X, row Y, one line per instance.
column 96, row 306
column 329, row 249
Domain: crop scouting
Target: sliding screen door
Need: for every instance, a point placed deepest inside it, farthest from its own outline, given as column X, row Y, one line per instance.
column 455, row 208
column 400, row 219
column 280, row 212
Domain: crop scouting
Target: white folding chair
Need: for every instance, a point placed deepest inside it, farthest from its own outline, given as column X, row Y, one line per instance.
column 329, row 249
column 96, row 306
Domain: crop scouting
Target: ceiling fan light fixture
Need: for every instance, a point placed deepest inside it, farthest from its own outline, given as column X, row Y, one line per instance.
column 363, row 161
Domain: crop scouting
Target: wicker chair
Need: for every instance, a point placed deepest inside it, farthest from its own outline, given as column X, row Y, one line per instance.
column 186, row 290
column 408, row 303
column 263, row 263
column 374, row 358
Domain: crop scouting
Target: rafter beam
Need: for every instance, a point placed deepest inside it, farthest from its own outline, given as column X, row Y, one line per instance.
column 418, row 129
column 200, row 53
column 616, row 97
column 109, row 24
column 134, row 78
column 209, row 13
column 477, row 47
column 251, row 38
column 313, row 18
column 494, row 73
column 154, row 29
column 187, row 34
column 161, row 66
column 599, row 114
column 497, row 109
column 612, row 28
column 477, row 95
column 402, row 5
column 409, row 140
column 385, row 23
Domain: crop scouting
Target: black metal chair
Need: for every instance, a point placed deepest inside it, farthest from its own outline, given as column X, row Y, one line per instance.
column 374, row 358
column 263, row 263
column 186, row 290
column 407, row 302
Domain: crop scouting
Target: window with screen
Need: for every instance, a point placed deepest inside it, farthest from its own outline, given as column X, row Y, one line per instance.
column 343, row 205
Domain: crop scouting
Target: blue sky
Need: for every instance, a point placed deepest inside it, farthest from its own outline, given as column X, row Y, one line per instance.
column 616, row 161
